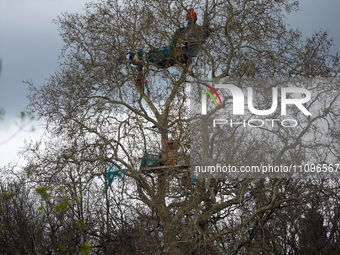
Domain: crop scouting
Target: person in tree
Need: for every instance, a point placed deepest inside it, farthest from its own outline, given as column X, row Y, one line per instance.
column 138, row 60
column 191, row 16
column 140, row 73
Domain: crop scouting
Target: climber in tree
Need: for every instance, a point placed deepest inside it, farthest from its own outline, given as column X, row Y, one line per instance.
column 191, row 16
column 138, row 60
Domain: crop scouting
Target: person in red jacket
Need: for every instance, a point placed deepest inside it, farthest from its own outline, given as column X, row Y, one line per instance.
column 192, row 17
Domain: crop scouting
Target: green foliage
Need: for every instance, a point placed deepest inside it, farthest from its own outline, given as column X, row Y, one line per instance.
column 43, row 191
column 40, row 208
column 86, row 248
column 30, row 169
column 62, row 206
column 62, row 248
column 7, row 195
column 38, row 233
column 80, row 223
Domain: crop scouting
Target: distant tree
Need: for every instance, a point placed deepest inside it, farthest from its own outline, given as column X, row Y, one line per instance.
column 25, row 119
column 18, row 220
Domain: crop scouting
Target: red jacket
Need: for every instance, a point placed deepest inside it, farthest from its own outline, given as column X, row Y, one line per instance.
column 192, row 14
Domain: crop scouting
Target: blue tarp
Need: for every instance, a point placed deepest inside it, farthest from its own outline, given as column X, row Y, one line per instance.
column 150, row 160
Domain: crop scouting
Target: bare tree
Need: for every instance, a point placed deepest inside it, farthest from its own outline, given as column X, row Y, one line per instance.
column 110, row 103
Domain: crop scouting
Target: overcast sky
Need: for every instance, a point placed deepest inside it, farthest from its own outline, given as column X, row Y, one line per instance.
column 30, row 46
